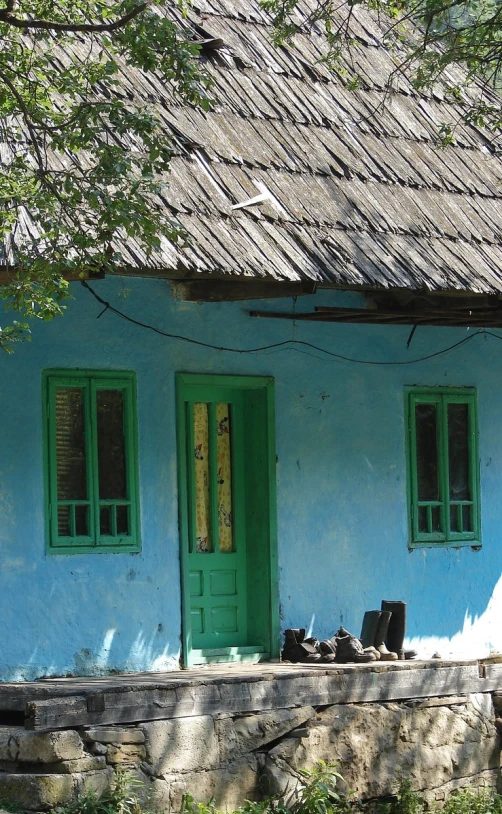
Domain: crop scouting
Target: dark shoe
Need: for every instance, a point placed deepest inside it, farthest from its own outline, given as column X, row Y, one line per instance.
column 397, row 628
column 349, row 649
column 328, row 647
column 328, row 658
column 380, row 637
column 313, row 641
column 297, row 650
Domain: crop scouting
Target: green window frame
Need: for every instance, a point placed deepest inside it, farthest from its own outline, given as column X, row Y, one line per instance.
column 91, row 461
column 443, row 467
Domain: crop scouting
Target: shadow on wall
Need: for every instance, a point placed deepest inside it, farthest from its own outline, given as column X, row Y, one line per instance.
column 109, row 656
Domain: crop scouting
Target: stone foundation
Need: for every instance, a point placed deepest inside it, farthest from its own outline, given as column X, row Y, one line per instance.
column 439, row 744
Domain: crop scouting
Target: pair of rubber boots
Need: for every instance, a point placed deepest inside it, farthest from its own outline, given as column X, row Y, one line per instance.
column 385, row 630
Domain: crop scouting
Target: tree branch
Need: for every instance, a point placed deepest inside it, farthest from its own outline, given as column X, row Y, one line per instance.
column 48, row 25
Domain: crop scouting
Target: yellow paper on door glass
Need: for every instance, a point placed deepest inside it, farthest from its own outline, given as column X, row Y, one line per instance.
column 223, row 450
column 203, row 540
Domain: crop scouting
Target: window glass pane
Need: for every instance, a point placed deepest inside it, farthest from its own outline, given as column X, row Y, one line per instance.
column 436, row 518
column 454, row 518
column 105, row 520
column 64, row 529
column 422, row 519
column 81, row 524
column 458, row 451
column 111, row 444
column 467, row 518
column 203, row 540
column 70, row 444
column 123, row 520
column 427, row 457
column 224, row 477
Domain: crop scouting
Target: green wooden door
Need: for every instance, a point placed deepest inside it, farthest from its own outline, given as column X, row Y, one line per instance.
column 226, row 456
column 215, row 467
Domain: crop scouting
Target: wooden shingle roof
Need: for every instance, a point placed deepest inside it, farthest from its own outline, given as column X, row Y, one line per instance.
column 351, row 188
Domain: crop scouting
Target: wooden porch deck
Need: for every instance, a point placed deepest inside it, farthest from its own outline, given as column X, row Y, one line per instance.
column 61, row 703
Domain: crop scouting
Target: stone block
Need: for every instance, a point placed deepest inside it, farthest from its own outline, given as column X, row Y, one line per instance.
column 97, row 781
column 228, row 786
column 249, row 732
column 126, row 753
column 160, row 795
column 374, row 743
column 36, row 792
column 88, row 763
column 17, row 744
column 113, row 734
column 98, row 749
column 181, row 744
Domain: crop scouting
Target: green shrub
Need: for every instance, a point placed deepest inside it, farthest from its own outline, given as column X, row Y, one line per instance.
column 119, row 798
column 473, row 801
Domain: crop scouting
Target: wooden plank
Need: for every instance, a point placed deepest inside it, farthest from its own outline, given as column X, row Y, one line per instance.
column 244, row 288
column 273, row 691
column 488, row 319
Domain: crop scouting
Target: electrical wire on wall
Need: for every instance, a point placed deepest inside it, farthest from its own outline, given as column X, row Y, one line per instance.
column 288, row 344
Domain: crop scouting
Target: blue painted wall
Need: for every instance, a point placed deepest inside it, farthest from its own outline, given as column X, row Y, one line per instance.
column 342, row 516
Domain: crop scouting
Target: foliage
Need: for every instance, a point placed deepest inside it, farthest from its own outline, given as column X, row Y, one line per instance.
column 120, row 798
column 318, row 794
column 82, row 160
column 473, row 801
column 12, row 808
column 406, row 801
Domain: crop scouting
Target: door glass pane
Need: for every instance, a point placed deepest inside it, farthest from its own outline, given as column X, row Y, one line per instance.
column 70, row 445
column 203, row 540
column 111, row 444
column 223, row 452
column 427, row 459
column 458, row 451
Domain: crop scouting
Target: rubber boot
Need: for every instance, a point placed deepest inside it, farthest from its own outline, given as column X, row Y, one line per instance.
column 380, row 636
column 368, row 631
column 397, row 628
column 370, row 626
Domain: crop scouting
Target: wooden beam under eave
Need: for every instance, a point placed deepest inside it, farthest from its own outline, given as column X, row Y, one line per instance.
column 245, row 288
